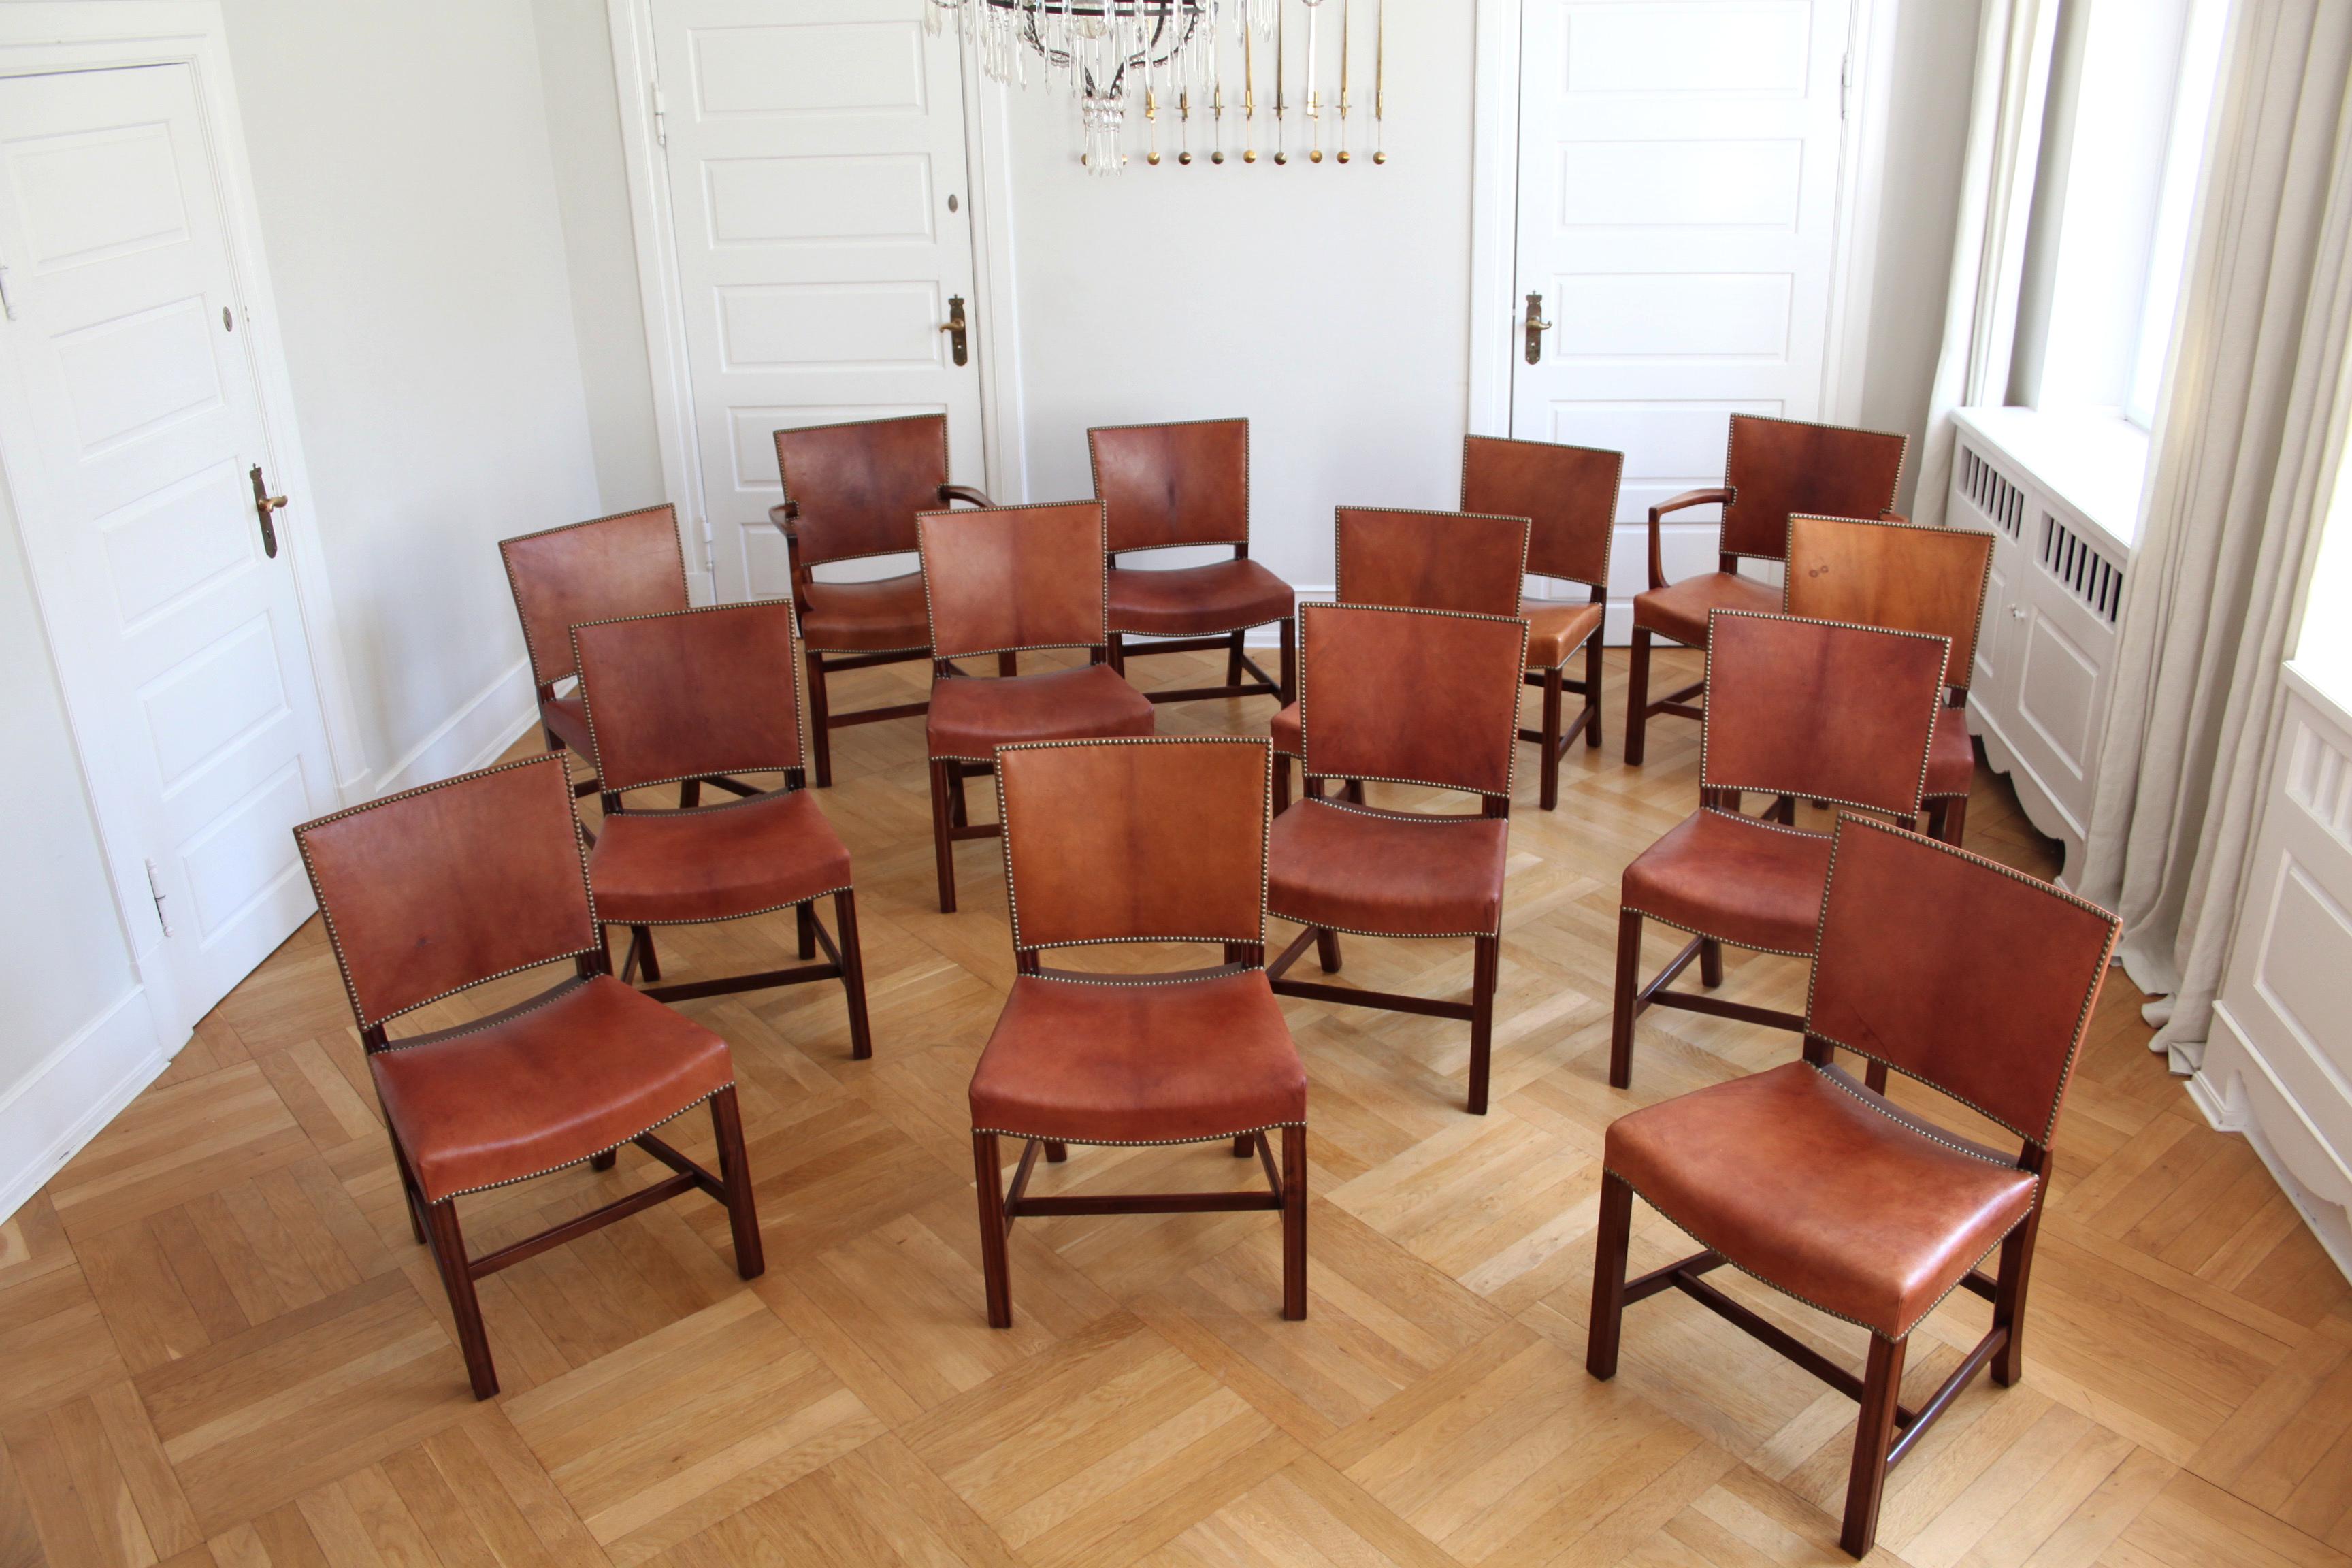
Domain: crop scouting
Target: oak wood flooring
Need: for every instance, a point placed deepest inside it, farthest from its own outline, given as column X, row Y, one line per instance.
column 218, row 1345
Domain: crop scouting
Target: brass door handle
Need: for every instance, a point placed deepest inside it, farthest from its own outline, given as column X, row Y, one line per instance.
column 264, row 503
column 1537, row 328
column 955, row 328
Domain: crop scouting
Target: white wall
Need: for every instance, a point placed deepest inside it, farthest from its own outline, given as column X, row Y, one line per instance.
column 400, row 153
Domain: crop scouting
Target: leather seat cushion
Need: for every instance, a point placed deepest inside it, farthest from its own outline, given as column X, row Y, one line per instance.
column 1555, row 630
column 1285, row 732
column 1351, row 870
column 1798, row 1179
column 1951, row 755
column 715, row 863
column 1123, row 1062
column 1195, row 600
column 1753, row 884
column 970, row 717
column 1679, row 610
column 581, row 1069
column 885, row 615
column 568, row 717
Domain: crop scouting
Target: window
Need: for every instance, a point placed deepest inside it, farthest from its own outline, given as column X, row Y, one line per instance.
column 2322, row 650
column 2167, row 257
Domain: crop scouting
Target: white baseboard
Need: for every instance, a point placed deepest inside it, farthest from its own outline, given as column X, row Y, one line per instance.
column 472, row 737
column 81, row 1086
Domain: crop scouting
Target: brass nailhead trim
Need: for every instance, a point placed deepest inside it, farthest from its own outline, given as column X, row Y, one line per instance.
column 1511, row 753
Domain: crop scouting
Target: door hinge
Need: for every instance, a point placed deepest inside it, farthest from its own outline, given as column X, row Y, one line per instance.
column 155, row 892
column 1845, row 83
column 661, row 122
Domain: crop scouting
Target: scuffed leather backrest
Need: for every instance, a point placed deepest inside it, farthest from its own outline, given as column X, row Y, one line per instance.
column 1173, row 484
column 1778, row 467
column 1899, row 576
column 1140, row 840
column 1963, row 973
column 630, row 563
column 858, row 486
column 1429, row 560
column 1820, row 711
column 1568, row 493
column 1016, row 577
column 432, row 890
column 1418, row 695
column 691, row 693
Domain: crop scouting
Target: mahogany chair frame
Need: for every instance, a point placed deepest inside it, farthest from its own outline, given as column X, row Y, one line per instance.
column 1887, row 1430
column 436, row 1224
column 843, row 959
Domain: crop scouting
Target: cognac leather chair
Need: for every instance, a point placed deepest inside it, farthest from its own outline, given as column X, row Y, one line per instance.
column 1413, row 560
column 1908, row 578
column 1166, row 485
column 1001, row 581
column 1569, row 494
column 1157, row 839
column 1409, row 697
column 851, row 493
column 630, row 563
column 1772, row 468
column 432, row 891
column 1965, row 975
column 1811, row 710
column 706, row 694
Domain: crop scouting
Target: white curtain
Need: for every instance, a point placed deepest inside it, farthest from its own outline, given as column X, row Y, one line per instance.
column 2246, row 453
column 1989, row 250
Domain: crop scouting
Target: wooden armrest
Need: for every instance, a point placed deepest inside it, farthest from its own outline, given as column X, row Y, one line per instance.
column 1690, row 499
column 965, row 493
column 783, row 515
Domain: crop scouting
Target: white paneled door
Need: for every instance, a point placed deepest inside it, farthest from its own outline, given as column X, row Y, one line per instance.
column 823, row 227
column 133, row 393
column 1678, row 199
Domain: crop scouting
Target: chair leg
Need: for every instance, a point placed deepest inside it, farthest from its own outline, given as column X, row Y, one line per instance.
column 411, row 1194
column 852, row 974
column 1245, row 1144
column 1294, row 1223
column 689, row 794
column 1115, row 656
column 1874, row 1078
column 1551, row 693
column 820, row 718
column 648, row 966
column 735, row 1175
column 606, row 1160
column 988, row 1171
column 806, row 915
column 1355, row 792
column 1873, row 1432
column 1710, row 962
column 1281, row 783
column 1055, row 1153
column 1592, row 664
column 1289, row 694
column 1234, row 661
column 1607, row 1314
column 1629, row 983
column 1637, row 698
column 941, row 844
column 457, row 1279
column 1486, row 976
column 959, row 808
column 1326, row 951
column 1008, row 664
column 2008, row 1298
column 1951, row 818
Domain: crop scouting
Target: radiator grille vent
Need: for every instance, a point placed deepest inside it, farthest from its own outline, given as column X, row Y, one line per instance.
column 2089, row 576
column 1994, row 495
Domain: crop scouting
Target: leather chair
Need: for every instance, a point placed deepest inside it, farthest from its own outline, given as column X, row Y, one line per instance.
column 1772, row 468
column 1166, row 485
column 1004, row 580
column 630, row 563
column 1910, row 578
column 1965, row 975
column 1569, row 494
column 851, row 493
column 1411, row 697
column 699, row 695
column 1122, row 841
column 1807, row 709
column 432, row 891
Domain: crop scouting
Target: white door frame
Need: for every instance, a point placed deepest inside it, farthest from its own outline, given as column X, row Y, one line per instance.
column 56, row 35
column 987, row 134
column 1495, row 207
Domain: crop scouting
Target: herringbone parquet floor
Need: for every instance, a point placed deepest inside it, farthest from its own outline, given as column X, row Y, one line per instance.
column 217, row 1344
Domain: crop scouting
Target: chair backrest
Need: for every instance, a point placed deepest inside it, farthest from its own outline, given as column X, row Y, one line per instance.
column 630, row 563
column 857, row 487
column 1161, row 839
column 691, row 693
column 1014, row 578
column 1418, row 697
column 1173, row 484
column 1568, row 493
column 1965, row 975
column 1774, row 468
column 1904, row 576
column 432, row 890
column 1429, row 560
column 1820, row 710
